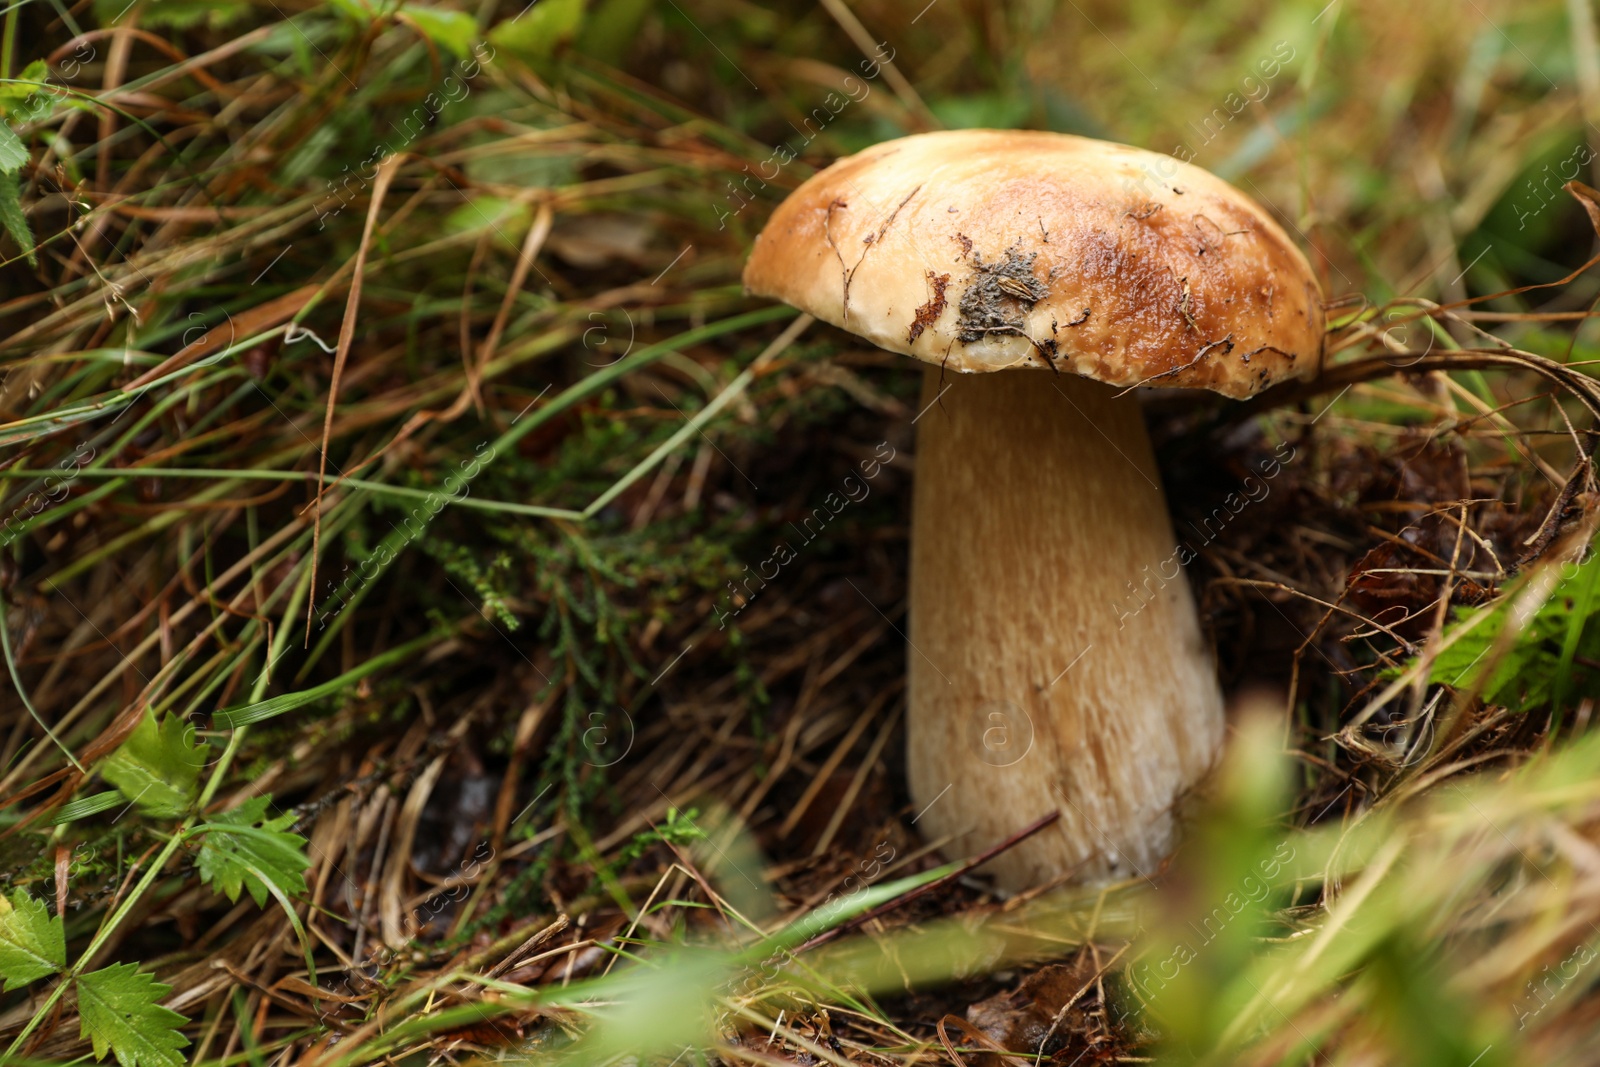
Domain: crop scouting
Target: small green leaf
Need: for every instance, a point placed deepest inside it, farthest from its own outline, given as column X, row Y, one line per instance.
column 174, row 14
column 13, row 153
column 120, row 1009
column 12, row 218
column 355, row 10
column 32, row 944
column 454, row 31
column 1547, row 657
column 539, row 29
column 158, row 767
column 505, row 217
column 679, row 829
column 36, row 71
column 1577, row 621
column 243, row 849
column 31, row 97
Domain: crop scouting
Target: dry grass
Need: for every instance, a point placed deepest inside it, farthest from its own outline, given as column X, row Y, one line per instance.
column 552, row 807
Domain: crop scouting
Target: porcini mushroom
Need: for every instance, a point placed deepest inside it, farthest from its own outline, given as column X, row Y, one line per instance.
column 1056, row 662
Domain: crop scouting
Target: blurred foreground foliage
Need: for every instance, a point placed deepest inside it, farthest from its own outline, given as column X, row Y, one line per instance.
column 391, row 458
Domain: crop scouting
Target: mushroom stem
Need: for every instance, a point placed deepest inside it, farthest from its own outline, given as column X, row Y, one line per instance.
column 1056, row 661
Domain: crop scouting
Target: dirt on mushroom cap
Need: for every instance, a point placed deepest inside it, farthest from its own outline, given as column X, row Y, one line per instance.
column 998, row 295
column 1186, row 281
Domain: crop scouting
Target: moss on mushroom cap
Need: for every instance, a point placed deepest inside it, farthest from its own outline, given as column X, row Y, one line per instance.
column 1112, row 262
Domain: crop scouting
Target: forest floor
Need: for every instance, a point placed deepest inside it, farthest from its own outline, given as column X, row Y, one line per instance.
column 384, row 424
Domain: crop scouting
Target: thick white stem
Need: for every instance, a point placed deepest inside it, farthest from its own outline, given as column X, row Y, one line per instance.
column 1056, row 662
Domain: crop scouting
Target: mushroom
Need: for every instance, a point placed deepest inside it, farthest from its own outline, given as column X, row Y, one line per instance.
column 1055, row 662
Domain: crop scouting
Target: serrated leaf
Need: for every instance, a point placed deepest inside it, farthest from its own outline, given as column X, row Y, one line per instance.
column 243, row 849
column 13, row 153
column 12, row 218
column 454, row 31
column 157, row 767
column 120, row 1009
column 32, row 943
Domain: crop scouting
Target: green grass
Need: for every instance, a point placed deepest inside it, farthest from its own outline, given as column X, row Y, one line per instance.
column 457, row 615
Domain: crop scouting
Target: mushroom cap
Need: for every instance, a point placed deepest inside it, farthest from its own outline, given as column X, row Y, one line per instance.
column 981, row 250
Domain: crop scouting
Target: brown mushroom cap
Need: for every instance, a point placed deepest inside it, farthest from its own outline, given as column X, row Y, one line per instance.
column 986, row 249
